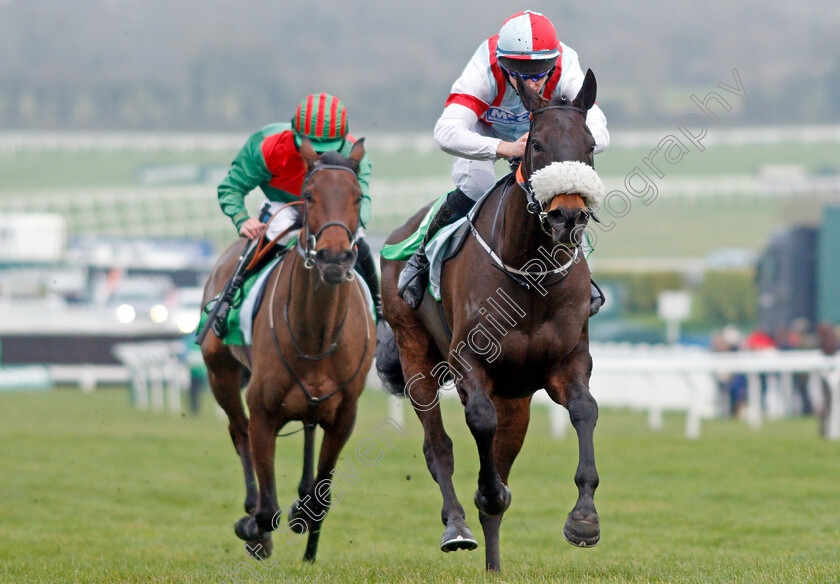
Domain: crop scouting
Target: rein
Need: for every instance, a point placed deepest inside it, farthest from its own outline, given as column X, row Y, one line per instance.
column 314, row 402
column 534, row 207
column 307, row 253
column 301, row 354
column 262, row 248
column 514, row 273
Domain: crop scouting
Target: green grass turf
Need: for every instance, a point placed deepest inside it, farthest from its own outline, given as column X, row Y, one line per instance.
column 94, row 491
column 693, row 228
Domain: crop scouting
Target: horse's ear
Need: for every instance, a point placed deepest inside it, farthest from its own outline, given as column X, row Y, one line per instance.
column 530, row 98
column 358, row 152
column 308, row 152
column 586, row 96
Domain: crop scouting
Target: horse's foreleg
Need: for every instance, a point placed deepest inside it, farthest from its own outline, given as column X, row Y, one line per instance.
column 492, row 496
column 315, row 504
column 420, row 358
column 297, row 517
column 437, row 448
column 224, row 374
column 263, row 434
column 513, row 417
column 570, row 388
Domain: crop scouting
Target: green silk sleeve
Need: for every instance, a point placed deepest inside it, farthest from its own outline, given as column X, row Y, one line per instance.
column 247, row 172
column 364, row 180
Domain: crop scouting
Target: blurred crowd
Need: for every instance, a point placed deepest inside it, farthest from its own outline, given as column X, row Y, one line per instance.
column 800, row 335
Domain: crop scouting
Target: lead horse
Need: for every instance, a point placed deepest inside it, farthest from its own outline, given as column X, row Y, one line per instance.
column 537, row 336
column 313, row 343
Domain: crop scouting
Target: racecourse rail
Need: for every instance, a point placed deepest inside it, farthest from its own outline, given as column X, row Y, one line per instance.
column 190, row 209
column 650, row 378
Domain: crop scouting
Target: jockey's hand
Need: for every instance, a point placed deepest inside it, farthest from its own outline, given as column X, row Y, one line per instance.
column 512, row 149
column 252, row 228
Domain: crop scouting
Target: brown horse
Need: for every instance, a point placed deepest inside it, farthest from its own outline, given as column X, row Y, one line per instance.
column 517, row 323
column 313, row 343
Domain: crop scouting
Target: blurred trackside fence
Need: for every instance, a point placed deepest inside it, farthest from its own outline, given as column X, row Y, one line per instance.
column 191, row 210
column 186, row 211
column 656, row 379
column 158, row 374
column 650, row 378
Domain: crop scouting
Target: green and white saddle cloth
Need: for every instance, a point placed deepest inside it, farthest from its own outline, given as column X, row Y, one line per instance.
column 436, row 250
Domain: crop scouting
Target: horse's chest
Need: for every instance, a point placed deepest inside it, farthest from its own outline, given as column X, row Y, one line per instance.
column 528, row 356
column 316, row 381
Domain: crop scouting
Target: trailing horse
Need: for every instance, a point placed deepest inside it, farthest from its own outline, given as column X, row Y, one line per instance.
column 313, row 343
column 515, row 302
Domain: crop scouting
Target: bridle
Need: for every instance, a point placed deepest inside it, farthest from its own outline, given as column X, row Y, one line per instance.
column 535, row 207
column 307, row 253
column 307, row 249
column 313, row 401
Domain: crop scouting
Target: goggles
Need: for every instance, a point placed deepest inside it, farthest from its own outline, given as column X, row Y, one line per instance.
column 534, row 77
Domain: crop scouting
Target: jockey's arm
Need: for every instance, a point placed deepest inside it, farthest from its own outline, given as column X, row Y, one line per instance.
column 247, row 172
column 455, row 135
column 364, row 182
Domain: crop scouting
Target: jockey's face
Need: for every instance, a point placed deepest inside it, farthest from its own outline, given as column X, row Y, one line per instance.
column 534, row 73
column 537, row 85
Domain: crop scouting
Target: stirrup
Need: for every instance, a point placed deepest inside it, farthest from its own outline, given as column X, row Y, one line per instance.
column 219, row 325
column 414, row 278
column 596, row 298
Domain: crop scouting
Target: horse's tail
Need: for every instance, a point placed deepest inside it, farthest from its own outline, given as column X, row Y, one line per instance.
column 387, row 355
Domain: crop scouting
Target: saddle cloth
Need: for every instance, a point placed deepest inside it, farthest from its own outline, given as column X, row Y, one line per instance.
column 445, row 244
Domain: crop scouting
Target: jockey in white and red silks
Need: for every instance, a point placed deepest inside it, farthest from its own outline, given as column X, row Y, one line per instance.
column 484, row 120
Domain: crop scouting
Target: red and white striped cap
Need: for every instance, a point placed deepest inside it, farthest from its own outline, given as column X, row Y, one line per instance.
column 529, row 36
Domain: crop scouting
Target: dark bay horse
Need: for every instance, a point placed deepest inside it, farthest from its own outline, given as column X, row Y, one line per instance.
column 313, row 344
column 518, row 323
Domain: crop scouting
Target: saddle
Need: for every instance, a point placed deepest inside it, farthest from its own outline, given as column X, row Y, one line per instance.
column 444, row 246
column 244, row 306
column 249, row 299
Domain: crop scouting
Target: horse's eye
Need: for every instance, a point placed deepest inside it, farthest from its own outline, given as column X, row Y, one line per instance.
column 307, row 196
column 536, row 147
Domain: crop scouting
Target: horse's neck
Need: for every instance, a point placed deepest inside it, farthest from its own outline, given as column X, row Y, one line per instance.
column 518, row 234
column 316, row 309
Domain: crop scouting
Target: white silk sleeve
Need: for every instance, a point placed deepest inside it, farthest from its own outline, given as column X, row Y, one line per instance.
column 455, row 134
column 570, row 84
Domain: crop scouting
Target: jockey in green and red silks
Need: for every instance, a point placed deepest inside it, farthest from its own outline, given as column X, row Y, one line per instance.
column 271, row 161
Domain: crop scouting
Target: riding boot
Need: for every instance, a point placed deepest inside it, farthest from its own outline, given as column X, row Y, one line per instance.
column 596, row 298
column 366, row 267
column 414, row 277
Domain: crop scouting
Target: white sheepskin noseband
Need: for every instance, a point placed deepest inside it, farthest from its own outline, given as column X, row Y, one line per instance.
column 574, row 178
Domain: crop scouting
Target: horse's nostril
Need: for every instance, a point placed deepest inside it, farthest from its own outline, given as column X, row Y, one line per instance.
column 334, row 257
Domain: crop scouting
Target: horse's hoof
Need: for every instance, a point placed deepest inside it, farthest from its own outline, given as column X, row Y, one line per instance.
column 261, row 549
column 582, row 533
column 496, row 507
column 295, row 513
column 458, row 537
column 246, row 529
